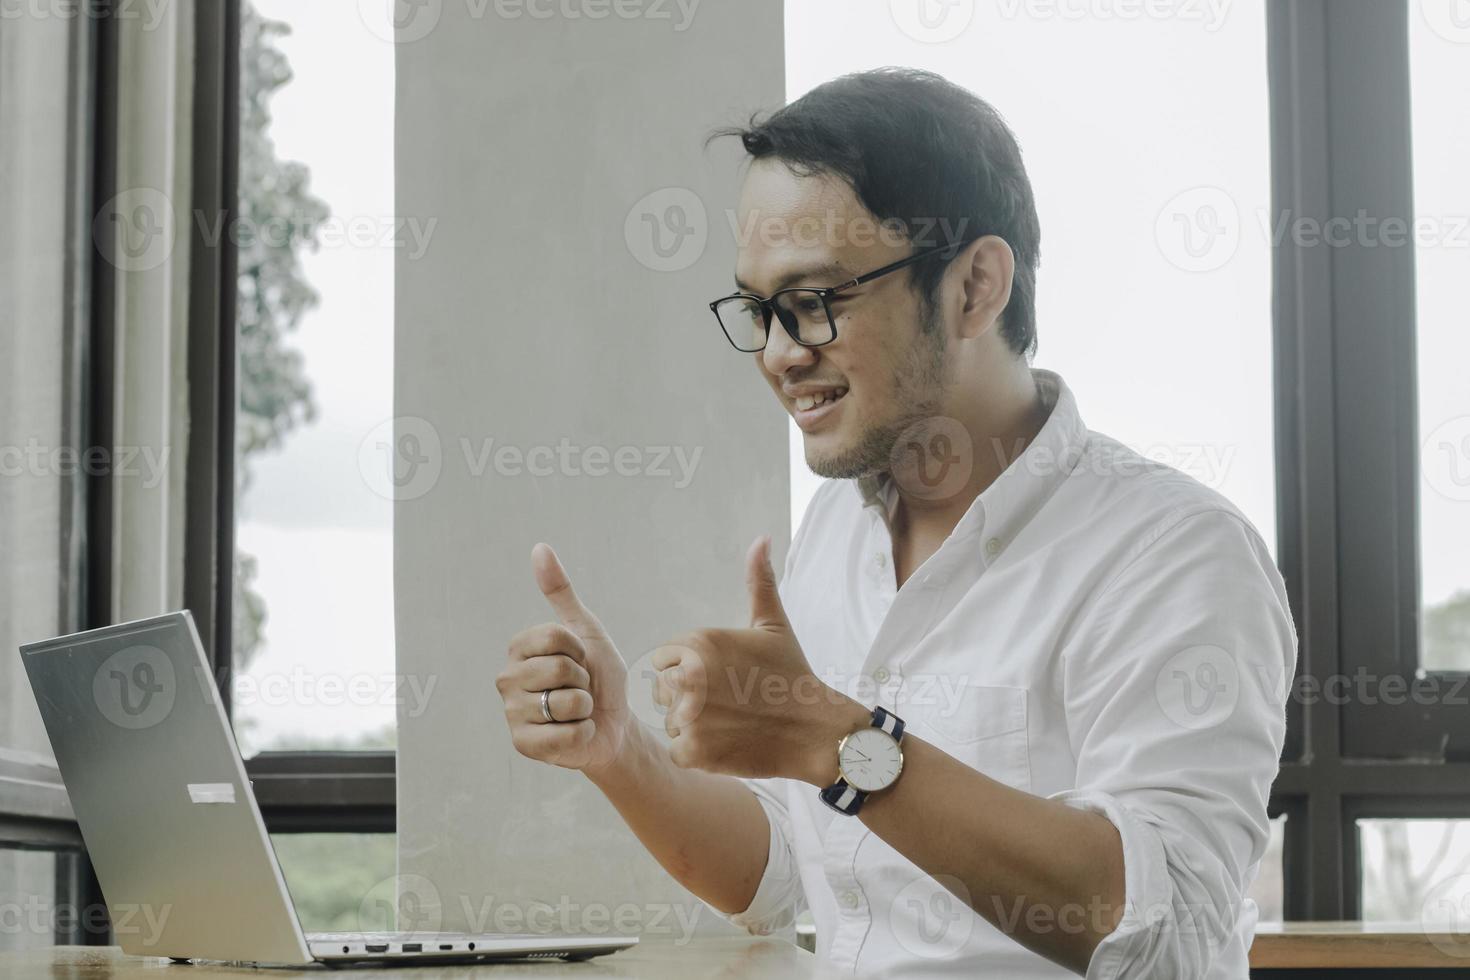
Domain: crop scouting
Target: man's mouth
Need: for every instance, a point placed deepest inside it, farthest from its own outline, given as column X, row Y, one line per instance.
column 806, row 403
column 813, row 408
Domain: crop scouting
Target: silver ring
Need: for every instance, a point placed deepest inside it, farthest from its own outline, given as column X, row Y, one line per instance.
column 546, row 707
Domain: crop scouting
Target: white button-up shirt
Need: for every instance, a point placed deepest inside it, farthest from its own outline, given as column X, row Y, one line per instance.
column 1098, row 629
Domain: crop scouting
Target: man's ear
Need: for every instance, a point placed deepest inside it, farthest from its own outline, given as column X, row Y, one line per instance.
column 988, row 266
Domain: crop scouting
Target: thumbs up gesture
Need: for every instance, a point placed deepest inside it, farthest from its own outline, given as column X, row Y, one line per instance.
column 745, row 701
column 564, row 684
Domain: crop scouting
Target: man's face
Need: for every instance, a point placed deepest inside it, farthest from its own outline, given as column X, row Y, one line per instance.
column 852, row 398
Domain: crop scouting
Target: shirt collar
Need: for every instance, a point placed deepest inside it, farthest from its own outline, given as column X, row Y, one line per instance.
column 1015, row 496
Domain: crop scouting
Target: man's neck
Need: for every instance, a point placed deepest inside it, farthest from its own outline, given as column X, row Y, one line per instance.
column 1001, row 424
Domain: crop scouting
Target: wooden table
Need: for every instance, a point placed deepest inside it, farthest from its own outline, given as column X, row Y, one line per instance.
column 732, row 958
column 1356, row 945
column 1325, row 946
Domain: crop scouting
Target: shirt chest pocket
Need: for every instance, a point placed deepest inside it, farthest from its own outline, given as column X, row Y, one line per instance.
column 982, row 725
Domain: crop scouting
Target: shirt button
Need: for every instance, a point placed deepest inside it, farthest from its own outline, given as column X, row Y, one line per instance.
column 881, row 675
column 880, row 560
column 992, row 547
column 850, row 899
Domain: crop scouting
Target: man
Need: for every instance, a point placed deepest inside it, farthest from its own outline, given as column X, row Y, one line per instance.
column 1017, row 707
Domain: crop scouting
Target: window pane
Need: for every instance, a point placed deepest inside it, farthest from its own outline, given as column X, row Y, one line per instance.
column 1268, row 889
column 1152, row 182
column 1440, row 77
column 1416, row 871
column 28, row 899
column 314, row 545
column 339, row 882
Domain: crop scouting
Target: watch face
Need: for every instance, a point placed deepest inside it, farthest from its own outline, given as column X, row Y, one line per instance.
column 869, row 759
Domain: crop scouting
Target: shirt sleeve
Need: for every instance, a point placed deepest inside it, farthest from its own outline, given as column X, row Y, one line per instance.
column 779, row 894
column 1175, row 688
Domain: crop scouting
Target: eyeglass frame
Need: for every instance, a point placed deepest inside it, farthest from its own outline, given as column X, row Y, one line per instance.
column 824, row 293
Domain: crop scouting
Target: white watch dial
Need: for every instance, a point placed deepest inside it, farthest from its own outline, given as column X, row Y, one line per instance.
column 870, row 759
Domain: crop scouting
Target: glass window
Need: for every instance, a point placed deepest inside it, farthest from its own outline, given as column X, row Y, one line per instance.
column 340, row 882
column 1268, row 889
column 1153, row 186
column 1416, row 871
column 30, row 909
column 1440, row 80
column 314, row 540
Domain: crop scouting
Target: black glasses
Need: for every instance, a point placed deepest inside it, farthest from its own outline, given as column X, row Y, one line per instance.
column 804, row 311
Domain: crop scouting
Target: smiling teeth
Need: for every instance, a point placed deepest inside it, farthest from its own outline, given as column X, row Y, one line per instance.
column 806, row 403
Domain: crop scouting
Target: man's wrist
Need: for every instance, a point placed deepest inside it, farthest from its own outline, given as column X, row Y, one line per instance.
column 624, row 768
column 836, row 721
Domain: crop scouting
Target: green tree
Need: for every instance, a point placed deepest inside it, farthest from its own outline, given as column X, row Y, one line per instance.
column 1445, row 636
column 283, row 217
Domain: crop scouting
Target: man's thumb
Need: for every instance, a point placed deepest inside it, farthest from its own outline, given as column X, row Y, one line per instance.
column 765, row 601
column 557, row 587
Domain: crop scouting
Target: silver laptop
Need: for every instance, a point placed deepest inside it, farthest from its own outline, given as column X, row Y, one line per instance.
column 160, row 794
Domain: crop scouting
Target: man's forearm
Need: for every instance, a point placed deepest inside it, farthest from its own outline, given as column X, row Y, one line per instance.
column 1048, row 875
column 709, row 831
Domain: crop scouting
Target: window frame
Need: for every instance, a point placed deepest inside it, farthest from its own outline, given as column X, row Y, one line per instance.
column 1348, row 541
column 298, row 792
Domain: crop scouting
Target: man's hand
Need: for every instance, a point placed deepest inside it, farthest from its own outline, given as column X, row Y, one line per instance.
column 577, row 662
column 745, row 702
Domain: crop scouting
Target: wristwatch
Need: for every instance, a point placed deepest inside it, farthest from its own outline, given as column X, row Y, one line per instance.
column 869, row 759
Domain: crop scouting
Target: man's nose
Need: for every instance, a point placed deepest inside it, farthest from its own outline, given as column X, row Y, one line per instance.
column 782, row 353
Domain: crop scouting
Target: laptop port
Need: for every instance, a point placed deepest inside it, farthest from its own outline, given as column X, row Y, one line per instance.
column 413, row 947
column 376, row 947
column 446, row 946
column 472, row 947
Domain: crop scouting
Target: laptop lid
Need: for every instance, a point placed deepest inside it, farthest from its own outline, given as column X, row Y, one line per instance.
column 160, row 793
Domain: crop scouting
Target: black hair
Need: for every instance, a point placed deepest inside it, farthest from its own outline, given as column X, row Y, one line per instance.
column 923, row 154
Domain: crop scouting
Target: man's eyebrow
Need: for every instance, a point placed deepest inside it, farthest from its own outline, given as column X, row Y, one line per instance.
column 825, row 273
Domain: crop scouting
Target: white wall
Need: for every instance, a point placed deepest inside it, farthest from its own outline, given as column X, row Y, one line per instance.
column 540, row 312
